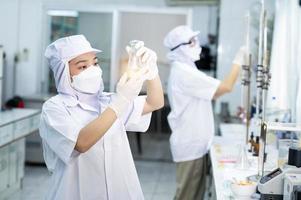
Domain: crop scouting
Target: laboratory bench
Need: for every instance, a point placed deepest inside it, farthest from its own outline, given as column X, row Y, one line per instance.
column 224, row 154
column 15, row 125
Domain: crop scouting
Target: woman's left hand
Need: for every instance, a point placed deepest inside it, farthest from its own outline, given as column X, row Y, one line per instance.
column 148, row 59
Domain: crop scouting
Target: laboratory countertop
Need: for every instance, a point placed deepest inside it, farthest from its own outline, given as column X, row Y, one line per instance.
column 9, row 116
column 224, row 154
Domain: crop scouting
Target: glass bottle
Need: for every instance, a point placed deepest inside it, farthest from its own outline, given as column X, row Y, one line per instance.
column 133, row 63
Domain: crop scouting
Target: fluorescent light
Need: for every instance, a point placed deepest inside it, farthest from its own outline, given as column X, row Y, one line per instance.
column 68, row 13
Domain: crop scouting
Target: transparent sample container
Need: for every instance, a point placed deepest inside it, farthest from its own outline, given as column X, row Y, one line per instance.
column 133, row 63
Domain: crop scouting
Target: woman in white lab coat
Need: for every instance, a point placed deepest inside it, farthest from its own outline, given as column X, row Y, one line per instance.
column 83, row 129
column 190, row 93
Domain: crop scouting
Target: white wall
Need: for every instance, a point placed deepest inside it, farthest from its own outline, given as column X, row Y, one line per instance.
column 30, row 37
column 9, row 39
column 204, row 20
column 22, row 22
column 27, row 26
column 149, row 28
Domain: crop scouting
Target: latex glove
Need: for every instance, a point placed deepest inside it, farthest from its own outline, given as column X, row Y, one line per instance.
column 147, row 58
column 127, row 90
column 241, row 57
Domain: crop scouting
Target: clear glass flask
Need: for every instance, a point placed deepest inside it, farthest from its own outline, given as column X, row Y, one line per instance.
column 133, row 63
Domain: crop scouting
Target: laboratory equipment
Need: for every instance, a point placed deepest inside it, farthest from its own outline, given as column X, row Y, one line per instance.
column 134, row 62
column 251, row 143
column 243, row 161
column 243, row 189
column 283, row 150
column 274, row 126
column 263, row 77
column 246, row 79
column 294, row 156
column 292, row 186
column 262, row 81
column 271, row 186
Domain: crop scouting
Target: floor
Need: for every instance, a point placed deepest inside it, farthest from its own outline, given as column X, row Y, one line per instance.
column 157, row 181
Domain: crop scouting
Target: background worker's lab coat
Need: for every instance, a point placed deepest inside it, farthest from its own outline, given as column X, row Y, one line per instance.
column 190, row 92
column 106, row 170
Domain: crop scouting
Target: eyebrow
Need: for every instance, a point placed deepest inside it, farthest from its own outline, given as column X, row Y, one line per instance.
column 80, row 61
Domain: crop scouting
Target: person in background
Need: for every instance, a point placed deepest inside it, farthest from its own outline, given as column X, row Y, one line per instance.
column 190, row 93
column 83, row 129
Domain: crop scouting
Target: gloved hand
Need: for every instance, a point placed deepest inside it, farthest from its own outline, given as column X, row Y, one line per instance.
column 147, row 58
column 149, row 61
column 241, row 57
column 127, row 90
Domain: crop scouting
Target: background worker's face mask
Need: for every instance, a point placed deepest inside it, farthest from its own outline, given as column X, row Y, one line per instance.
column 89, row 81
column 193, row 52
column 190, row 49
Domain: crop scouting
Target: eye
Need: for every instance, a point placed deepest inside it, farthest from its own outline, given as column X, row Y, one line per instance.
column 82, row 67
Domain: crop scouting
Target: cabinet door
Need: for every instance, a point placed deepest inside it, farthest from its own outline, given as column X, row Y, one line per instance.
column 34, row 123
column 21, row 127
column 21, row 158
column 4, row 172
column 13, row 161
column 6, row 134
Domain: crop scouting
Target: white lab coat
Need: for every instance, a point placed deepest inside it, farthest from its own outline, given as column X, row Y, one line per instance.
column 190, row 92
column 106, row 170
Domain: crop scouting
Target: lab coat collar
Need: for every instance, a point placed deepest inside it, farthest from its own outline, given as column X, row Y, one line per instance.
column 71, row 101
column 185, row 66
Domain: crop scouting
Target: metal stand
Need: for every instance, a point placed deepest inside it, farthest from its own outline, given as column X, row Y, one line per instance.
column 243, row 161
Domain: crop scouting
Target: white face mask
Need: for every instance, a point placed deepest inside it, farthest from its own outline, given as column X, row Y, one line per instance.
column 89, row 81
column 193, row 52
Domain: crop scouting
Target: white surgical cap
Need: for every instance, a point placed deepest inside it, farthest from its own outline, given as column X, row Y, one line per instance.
column 59, row 53
column 180, row 34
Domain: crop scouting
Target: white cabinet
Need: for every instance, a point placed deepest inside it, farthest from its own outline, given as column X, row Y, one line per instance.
column 20, row 158
column 4, row 170
column 14, row 126
column 13, row 158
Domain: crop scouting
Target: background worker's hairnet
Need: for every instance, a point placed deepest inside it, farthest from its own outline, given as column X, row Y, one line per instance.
column 180, row 34
column 59, row 53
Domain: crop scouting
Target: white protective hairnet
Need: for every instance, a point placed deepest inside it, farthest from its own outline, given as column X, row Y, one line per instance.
column 178, row 35
column 58, row 54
